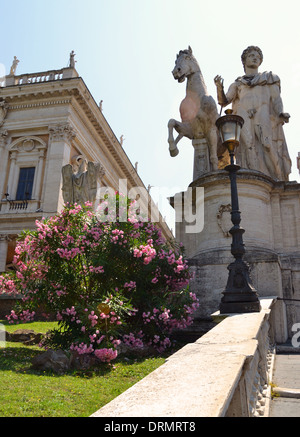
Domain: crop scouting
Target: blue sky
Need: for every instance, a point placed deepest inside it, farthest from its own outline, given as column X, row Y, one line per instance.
column 126, row 49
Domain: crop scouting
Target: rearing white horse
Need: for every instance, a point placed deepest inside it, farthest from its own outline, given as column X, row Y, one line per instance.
column 198, row 110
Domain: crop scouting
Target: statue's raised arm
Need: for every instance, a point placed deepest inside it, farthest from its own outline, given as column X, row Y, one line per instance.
column 219, row 82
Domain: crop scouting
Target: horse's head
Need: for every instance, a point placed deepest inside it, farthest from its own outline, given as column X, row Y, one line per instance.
column 185, row 65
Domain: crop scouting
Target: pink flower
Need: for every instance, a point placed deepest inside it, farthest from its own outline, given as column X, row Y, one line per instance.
column 148, row 252
column 106, row 355
column 82, row 348
column 130, row 285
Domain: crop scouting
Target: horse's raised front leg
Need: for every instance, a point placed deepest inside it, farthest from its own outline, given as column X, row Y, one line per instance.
column 184, row 129
column 173, row 149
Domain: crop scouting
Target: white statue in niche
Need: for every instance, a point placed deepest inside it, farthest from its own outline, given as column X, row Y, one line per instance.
column 256, row 97
column 80, row 180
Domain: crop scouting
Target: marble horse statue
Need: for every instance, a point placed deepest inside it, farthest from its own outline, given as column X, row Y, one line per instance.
column 198, row 110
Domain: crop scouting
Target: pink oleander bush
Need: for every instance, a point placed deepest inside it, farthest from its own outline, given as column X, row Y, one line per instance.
column 107, row 281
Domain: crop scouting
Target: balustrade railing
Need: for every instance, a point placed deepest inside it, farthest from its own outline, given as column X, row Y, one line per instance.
column 44, row 76
column 19, row 206
column 39, row 77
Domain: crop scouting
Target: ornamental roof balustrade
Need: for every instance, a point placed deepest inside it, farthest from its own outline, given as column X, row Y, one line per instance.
column 44, row 76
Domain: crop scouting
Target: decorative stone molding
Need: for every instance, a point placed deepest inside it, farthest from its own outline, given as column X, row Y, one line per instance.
column 3, row 138
column 4, row 237
column 27, row 144
column 61, row 132
column 3, row 111
column 40, row 104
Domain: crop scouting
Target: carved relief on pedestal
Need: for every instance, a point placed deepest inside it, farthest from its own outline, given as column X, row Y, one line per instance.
column 224, row 219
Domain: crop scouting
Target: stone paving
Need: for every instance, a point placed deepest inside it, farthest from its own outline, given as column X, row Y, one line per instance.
column 286, row 375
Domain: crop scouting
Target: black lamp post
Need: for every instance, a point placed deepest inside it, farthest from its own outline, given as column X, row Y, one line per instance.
column 239, row 295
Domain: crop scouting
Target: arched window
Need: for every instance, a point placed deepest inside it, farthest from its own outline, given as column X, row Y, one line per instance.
column 24, row 180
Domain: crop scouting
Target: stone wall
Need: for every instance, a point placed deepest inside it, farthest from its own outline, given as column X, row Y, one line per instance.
column 226, row 372
column 7, row 303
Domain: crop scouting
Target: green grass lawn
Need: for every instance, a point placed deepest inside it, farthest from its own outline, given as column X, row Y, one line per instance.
column 28, row 393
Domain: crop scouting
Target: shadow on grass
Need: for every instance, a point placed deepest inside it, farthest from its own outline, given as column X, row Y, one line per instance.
column 18, row 357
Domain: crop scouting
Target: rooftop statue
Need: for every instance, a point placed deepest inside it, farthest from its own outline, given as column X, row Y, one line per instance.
column 13, row 68
column 72, row 59
column 198, row 110
column 80, row 180
column 256, row 97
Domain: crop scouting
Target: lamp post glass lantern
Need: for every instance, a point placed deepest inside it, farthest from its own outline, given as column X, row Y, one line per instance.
column 239, row 295
column 229, row 127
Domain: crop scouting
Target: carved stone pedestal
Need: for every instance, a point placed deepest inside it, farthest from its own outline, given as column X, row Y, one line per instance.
column 270, row 214
column 201, row 158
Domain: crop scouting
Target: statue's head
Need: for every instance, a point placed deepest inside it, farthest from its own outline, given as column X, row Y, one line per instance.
column 79, row 163
column 250, row 49
column 185, row 64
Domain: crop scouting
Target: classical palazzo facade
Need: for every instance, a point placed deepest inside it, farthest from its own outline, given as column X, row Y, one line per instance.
column 48, row 119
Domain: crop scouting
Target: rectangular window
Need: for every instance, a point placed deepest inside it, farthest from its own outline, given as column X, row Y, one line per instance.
column 25, row 184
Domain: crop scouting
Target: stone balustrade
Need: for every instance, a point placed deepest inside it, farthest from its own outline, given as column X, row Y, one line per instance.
column 19, row 206
column 44, row 76
column 39, row 77
column 225, row 373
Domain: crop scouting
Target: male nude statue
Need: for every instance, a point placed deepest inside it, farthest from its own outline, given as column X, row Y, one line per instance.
column 256, row 97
